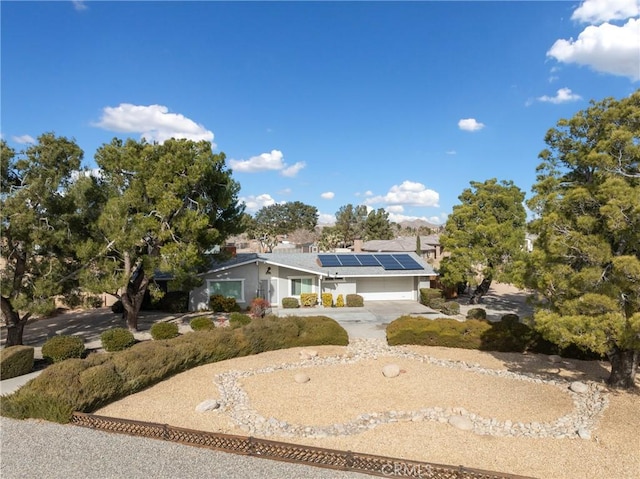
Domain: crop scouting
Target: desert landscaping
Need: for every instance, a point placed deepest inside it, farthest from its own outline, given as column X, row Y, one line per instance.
column 505, row 412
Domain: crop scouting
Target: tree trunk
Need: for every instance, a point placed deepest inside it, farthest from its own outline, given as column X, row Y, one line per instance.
column 481, row 290
column 624, row 365
column 15, row 324
column 133, row 297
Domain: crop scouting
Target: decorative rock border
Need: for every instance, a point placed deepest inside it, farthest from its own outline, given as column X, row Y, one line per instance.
column 588, row 404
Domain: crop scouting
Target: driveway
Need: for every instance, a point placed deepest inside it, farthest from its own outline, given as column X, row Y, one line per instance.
column 369, row 321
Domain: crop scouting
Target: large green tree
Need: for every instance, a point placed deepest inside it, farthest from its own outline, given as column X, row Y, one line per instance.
column 586, row 259
column 377, row 226
column 40, row 225
column 484, row 236
column 167, row 206
column 350, row 223
column 273, row 221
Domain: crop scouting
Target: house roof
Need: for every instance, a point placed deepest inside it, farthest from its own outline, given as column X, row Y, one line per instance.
column 402, row 244
column 308, row 262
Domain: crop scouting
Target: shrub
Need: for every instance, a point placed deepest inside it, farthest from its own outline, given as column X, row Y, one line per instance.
column 259, row 307
column 327, row 300
column 117, row 339
column 92, row 302
column 510, row 318
column 238, row 319
column 436, row 303
column 164, row 330
column 340, row 301
column 117, row 307
column 436, row 332
column 15, row 361
column 173, row 302
column 450, row 308
column 508, row 336
column 289, row 303
column 477, row 313
column 354, row 301
column 62, row 347
column 222, row 304
column 86, row 384
column 427, row 294
column 201, row 323
column 308, row 299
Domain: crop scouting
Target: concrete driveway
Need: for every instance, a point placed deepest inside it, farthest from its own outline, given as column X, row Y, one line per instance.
column 369, row 321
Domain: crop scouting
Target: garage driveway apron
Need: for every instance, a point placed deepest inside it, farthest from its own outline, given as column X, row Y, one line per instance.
column 368, row 322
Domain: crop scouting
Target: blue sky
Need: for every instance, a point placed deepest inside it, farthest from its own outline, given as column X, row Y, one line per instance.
column 396, row 105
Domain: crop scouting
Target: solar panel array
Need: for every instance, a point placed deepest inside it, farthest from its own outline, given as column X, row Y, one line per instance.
column 387, row 261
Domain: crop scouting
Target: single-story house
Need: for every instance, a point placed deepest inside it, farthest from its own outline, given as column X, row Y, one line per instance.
column 429, row 245
column 274, row 276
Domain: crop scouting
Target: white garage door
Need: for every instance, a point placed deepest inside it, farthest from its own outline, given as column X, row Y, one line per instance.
column 374, row 289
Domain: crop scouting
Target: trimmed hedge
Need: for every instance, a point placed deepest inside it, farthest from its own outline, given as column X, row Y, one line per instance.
column 327, row 300
column 427, row 294
column 437, row 332
column 355, row 301
column 164, row 331
column 237, row 320
column 308, row 299
column 450, row 308
column 340, row 301
column 201, row 322
column 477, row 313
column 290, row 303
column 16, row 361
column 117, row 339
column 62, row 347
column 88, row 384
column 222, row 304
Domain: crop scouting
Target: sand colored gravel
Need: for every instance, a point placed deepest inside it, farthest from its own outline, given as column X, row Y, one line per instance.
column 337, row 393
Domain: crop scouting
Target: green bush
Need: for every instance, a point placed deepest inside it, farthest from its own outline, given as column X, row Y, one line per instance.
column 510, row 318
column 327, row 300
column 173, row 302
column 290, row 303
column 509, row 336
column 450, row 308
column 87, row 384
column 436, row 332
column 117, row 307
column 62, row 347
column 202, row 322
column 340, row 301
column 238, row 319
column 15, row 361
column 117, row 339
column 92, row 302
column 164, row 331
column 427, row 294
column 308, row 299
column 477, row 313
column 222, row 304
column 354, row 301
column 436, row 303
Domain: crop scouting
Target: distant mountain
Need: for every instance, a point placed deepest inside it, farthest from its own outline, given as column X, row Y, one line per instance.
column 418, row 224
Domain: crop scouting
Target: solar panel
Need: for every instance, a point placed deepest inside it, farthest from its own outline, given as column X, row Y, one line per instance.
column 388, row 262
column 328, row 260
column 407, row 261
column 367, row 260
column 348, row 260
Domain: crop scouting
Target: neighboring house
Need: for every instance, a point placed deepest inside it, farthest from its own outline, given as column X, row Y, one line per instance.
column 275, row 276
column 429, row 245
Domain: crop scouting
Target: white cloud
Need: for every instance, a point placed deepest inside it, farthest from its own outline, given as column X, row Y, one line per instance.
column 605, row 48
column 254, row 203
column 328, row 195
column 24, row 139
column 273, row 161
column 326, row 219
column 153, row 122
column 79, row 5
column 470, row 124
column 399, row 218
column 395, row 209
column 293, row 170
column 598, row 11
column 408, row 193
column 451, row 152
column 563, row 95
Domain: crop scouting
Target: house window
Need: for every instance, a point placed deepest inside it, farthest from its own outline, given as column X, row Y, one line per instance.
column 301, row 285
column 229, row 288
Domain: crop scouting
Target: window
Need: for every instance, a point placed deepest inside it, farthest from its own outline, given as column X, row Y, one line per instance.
column 301, row 285
column 229, row 288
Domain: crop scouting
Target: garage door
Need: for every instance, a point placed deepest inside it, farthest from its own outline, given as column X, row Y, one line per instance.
column 374, row 289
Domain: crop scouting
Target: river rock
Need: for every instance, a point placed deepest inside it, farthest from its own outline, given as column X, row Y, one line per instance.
column 208, row 405
column 391, row 370
column 579, row 387
column 308, row 354
column 554, row 359
column 461, row 422
column 301, row 378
